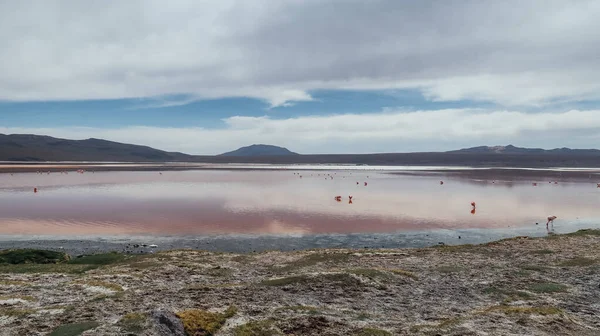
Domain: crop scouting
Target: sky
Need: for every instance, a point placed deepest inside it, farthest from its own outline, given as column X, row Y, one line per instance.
column 315, row 76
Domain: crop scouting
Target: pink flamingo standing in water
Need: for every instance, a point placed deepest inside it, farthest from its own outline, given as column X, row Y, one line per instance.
column 550, row 220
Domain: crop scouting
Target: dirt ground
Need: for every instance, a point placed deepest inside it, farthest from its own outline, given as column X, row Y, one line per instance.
column 520, row 286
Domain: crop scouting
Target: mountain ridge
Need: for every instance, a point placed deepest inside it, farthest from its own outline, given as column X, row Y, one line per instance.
column 511, row 149
column 259, row 150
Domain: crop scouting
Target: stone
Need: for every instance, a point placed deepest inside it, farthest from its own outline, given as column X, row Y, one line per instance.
column 167, row 323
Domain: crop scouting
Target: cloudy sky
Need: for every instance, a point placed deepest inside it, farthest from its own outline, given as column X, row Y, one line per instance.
column 316, row 76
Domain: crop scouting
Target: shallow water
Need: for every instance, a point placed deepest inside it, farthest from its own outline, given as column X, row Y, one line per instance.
column 216, row 202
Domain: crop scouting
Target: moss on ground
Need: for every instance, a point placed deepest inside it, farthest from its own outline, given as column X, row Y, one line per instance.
column 73, row 329
column 548, row 287
column 256, row 328
column 313, row 259
column 32, row 256
column 372, row 332
column 579, row 261
column 513, row 310
column 203, row 322
column 133, row 322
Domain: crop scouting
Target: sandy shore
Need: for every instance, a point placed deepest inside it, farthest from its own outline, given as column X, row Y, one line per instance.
column 520, row 286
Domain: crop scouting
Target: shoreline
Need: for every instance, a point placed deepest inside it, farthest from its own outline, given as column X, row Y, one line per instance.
column 516, row 286
column 255, row 243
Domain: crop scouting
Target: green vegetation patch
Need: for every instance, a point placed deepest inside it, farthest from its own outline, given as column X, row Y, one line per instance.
column 32, row 256
column 13, row 283
column 514, row 310
column 536, row 268
column 508, row 294
column 202, row 322
column 544, row 251
column 256, row 328
column 73, row 329
column 100, row 259
column 584, row 232
column 44, row 268
column 372, row 332
column 580, row 261
column 370, row 273
column 314, row 259
column 133, row 322
column 548, row 287
column 16, row 312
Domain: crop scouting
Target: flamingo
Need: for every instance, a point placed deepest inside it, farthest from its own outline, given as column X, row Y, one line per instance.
column 441, row 182
column 34, row 190
column 534, row 184
column 473, row 204
column 338, row 198
column 349, row 199
column 550, row 220
column 365, row 184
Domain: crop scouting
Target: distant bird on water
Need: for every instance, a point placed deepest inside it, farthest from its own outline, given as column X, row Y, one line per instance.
column 551, row 220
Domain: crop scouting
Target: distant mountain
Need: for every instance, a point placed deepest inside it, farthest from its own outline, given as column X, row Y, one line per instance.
column 260, row 150
column 29, row 147
column 510, row 149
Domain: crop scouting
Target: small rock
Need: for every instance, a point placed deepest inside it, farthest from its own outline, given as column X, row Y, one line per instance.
column 167, row 324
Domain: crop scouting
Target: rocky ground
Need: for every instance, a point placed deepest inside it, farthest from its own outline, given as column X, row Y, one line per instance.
column 520, row 286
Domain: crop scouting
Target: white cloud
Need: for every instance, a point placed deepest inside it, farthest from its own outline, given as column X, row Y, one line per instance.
column 390, row 131
column 509, row 52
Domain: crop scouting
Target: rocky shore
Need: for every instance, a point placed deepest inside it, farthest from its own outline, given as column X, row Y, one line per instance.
column 519, row 286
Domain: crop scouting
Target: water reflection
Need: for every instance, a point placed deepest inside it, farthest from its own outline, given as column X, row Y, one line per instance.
column 279, row 202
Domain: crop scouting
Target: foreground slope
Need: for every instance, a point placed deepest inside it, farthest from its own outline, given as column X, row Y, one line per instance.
column 521, row 286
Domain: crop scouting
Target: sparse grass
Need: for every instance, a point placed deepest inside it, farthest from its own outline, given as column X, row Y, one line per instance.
column 73, row 329
column 548, row 287
column 544, row 251
column 202, row 322
column 98, row 283
column 455, row 248
column 580, row 261
column 584, row 232
column 19, row 297
column 510, row 294
column 284, row 281
column 302, row 309
column 334, row 279
column 437, row 328
column 536, row 268
column 513, row 310
column 32, row 256
column 313, row 259
column 13, row 283
column 133, row 322
column 403, row 273
column 370, row 273
column 100, row 259
column 450, row 269
column 363, row 316
column 372, row 332
column 256, row 328
column 243, row 259
column 45, row 268
column 16, row 312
